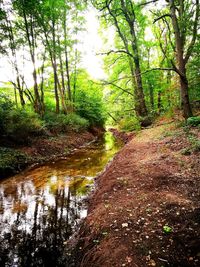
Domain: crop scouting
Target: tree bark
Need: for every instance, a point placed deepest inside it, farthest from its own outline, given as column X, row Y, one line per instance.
column 180, row 42
column 31, row 42
column 134, row 62
column 55, row 68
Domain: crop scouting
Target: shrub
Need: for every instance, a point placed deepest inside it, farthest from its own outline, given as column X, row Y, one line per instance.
column 5, row 107
column 193, row 121
column 90, row 106
column 22, row 123
column 63, row 123
column 129, row 124
column 11, row 161
column 76, row 123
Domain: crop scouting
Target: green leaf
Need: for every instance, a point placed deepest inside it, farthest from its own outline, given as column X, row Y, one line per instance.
column 167, row 229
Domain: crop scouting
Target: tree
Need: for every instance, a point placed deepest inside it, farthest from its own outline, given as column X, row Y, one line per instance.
column 122, row 14
column 184, row 17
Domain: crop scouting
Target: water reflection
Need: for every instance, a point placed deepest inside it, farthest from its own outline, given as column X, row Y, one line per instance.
column 40, row 209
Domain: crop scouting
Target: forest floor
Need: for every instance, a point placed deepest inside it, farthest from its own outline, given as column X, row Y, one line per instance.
column 15, row 157
column 145, row 210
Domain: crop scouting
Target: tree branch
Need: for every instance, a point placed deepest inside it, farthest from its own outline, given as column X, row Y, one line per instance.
column 147, row 3
column 116, row 51
column 161, row 17
column 117, row 86
column 194, row 34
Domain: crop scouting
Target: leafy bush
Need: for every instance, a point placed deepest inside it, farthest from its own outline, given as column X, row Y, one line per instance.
column 5, row 107
column 91, row 107
column 129, row 124
column 76, row 122
column 63, row 123
column 11, row 161
column 17, row 123
column 89, row 99
column 22, row 123
column 193, row 121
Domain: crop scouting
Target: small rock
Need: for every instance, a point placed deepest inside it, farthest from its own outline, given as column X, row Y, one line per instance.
column 152, row 263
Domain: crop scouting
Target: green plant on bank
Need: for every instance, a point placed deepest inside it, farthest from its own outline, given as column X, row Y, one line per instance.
column 22, row 123
column 11, row 160
column 6, row 106
column 194, row 143
column 193, row 121
column 63, row 123
column 129, row 124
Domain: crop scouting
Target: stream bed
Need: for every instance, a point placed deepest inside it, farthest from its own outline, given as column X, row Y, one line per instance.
column 40, row 209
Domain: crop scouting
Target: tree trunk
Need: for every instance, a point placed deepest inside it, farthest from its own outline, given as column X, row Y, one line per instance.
column 130, row 18
column 185, row 102
column 31, row 42
column 180, row 43
column 159, row 102
column 62, row 88
column 67, row 59
column 55, row 69
column 151, row 96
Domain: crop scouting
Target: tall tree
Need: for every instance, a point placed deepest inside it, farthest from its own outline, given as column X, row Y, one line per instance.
column 25, row 10
column 184, row 17
column 122, row 15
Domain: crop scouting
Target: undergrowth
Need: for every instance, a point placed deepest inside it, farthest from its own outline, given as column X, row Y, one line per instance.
column 11, row 161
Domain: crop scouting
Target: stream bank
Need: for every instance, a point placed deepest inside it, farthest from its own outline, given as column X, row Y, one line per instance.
column 41, row 208
column 15, row 158
column 145, row 210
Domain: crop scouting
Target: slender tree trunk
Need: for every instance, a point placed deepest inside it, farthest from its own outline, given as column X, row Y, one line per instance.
column 67, row 59
column 151, row 89
column 180, row 42
column 55, row 69
column 31, row 42
column 42, row 83
column 130, row 18
column 151, row 96
column 159, row 102
column 62, row 88
column 12, row 44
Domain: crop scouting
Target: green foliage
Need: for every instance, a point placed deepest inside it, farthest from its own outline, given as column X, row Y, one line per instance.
column 89, row 100
column 167, row 229
column 10, row 161
column 193, row 121
column 63, row 123
column 5, row 108
column 129, row 124
column 23, row 123
column 17, row 123
column 193, row 140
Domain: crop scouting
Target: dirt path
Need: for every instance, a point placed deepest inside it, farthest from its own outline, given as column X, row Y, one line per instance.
column 146, row 210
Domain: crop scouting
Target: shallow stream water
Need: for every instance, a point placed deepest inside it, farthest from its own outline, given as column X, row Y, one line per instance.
column 40, row 209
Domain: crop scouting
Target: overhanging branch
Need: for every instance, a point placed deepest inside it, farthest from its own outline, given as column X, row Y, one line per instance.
column 115, row 52
column 161, row 17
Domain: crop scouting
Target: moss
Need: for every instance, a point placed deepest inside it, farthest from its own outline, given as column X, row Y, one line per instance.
column 11, row 161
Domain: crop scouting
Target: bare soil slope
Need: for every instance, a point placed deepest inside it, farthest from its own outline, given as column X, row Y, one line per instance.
column 146, row 209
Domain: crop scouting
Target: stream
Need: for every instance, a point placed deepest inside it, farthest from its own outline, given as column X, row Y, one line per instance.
column 40, row 209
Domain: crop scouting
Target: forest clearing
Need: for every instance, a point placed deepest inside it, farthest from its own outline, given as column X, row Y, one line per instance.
column 99, row 133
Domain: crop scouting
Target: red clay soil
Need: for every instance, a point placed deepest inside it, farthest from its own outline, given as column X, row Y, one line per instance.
column 146, row 208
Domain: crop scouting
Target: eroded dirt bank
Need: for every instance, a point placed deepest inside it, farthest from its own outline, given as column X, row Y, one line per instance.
column 146, row 209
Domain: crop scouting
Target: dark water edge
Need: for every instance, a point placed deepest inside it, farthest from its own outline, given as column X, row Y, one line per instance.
column 41, row 209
